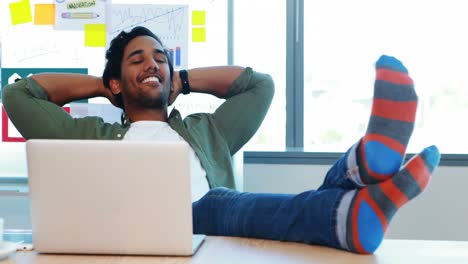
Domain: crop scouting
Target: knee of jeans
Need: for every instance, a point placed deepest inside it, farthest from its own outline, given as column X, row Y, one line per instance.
column 221, row 191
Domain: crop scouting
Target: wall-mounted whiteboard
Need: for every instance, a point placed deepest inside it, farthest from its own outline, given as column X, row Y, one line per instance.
column 169, row 22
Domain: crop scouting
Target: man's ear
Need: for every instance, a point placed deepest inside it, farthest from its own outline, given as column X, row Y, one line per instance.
column 115, row 86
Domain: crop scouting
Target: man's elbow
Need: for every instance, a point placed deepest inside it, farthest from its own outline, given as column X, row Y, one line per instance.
column 6, row 95
column 268, row 87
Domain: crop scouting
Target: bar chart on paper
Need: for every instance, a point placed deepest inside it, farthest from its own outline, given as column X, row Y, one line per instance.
column 168, row 22
column 175, row 56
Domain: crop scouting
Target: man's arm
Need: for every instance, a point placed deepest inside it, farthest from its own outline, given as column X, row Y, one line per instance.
column 214, row 80
column 248, row 97
column 35, row 108
column 211, row 80
column 63, row 88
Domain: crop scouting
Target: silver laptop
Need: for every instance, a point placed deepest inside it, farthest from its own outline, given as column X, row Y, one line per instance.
column 111, row 197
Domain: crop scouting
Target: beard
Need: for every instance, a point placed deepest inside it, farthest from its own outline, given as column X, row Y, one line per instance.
column 154, row 102
column 148, row 99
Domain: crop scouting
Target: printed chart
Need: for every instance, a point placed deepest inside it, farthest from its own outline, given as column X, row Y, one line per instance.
column 168, row 22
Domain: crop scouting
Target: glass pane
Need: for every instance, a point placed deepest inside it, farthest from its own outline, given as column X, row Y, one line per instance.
column 343, row 39
column 260, row 42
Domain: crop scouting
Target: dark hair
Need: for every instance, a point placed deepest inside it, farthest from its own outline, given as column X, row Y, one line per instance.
column 114, row 55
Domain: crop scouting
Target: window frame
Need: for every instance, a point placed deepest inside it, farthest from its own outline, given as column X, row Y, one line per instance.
column 296, row 156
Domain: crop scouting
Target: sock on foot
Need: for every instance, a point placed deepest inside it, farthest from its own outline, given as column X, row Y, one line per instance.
column 373, row 207
column 381, row 151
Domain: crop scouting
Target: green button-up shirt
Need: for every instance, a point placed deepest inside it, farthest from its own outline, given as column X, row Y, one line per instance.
column 214, row 137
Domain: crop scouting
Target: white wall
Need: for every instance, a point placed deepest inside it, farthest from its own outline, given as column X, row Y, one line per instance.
column 439, row 213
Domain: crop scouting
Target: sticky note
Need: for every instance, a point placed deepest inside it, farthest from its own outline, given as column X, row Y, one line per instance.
column 95, row 35
column 44, row 14
column 198, row 18
column 198, row 34
column 20, row 12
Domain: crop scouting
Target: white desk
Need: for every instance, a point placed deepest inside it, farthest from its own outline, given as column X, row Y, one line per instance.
column 244, row 250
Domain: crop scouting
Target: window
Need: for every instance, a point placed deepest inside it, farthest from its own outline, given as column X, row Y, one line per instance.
column 343, row 39
column 260, row 42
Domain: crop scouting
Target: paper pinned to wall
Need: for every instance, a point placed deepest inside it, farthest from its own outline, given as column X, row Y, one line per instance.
column 169, row 22
column 20, row 12
column 44, row 14
column 198, row 18
column 198, row 34
column 53, row 49
column 95, row 35
column 75, row 14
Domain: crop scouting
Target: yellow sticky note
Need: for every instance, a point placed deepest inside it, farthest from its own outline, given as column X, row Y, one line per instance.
column 95, row 35
column 44, row 14
column 198, row 18
column 20, row 12
column 198, row 34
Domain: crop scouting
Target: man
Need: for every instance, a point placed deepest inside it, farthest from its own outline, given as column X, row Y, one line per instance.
column 351, row 210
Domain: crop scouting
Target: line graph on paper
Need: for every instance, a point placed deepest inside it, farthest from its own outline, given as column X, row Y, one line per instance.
column 168, row 22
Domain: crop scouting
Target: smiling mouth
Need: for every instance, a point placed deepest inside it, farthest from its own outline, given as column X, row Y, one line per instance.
column 151, row 79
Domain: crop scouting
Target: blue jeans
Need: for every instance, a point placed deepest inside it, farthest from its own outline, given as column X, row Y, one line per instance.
column 309, row 217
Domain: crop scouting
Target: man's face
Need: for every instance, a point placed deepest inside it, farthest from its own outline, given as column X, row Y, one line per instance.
column 145, row 76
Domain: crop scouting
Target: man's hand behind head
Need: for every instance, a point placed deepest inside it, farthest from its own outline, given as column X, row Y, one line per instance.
column 107, row 93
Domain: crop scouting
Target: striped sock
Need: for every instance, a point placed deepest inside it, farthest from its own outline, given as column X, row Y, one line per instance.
column 381, row 151
column 373, row 207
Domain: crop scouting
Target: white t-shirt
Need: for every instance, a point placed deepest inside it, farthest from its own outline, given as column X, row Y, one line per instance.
column 158, row 130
